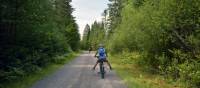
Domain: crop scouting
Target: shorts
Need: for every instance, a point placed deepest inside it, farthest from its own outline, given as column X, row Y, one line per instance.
column 104, row 60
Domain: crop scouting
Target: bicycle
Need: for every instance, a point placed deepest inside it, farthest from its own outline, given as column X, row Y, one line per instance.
column 102, row 68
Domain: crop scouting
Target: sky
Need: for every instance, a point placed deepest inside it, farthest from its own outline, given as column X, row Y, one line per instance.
column 87, row 11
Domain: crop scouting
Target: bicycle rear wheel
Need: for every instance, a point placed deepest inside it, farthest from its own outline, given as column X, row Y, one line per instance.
column 102, row 70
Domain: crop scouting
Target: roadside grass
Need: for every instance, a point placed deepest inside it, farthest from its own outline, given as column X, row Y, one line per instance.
column 29, row 80
column 135, row 76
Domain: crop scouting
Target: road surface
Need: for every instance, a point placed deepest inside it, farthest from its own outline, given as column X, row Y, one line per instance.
column 78, row 74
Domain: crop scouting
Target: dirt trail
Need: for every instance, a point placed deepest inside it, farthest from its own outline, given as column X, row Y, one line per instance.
column 78, row 74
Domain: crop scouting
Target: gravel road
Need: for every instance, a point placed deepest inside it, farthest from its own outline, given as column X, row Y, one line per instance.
column 78, row 74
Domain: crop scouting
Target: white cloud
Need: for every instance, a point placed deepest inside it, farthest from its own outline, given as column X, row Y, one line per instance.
column 87, row 11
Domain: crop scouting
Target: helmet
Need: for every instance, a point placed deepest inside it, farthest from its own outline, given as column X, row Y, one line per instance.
column 100, row 45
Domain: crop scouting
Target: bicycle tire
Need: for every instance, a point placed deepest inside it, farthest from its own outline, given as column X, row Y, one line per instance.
column 102, row 70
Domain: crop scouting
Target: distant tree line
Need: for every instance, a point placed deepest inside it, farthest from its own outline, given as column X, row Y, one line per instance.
column 93, row 35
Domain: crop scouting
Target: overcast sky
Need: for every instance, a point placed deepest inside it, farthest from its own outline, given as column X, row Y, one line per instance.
column 87, row 11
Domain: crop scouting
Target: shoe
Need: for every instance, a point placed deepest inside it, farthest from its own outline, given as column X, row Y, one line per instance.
column 110, row 68
column 93, row 68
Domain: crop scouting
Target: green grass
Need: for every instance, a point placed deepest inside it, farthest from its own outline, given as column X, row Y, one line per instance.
column 136, row 77
column 27, row 81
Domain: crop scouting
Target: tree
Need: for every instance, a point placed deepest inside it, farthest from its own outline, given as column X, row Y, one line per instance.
column 114, row 11
column 97, row 34
column 164, row 32
column 85, row 38
column 33, row 33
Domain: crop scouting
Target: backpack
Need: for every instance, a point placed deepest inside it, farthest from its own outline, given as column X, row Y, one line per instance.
column 102, row 53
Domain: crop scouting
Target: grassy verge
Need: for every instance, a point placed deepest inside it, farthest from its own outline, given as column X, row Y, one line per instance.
column 135, row 76
column 27, row 81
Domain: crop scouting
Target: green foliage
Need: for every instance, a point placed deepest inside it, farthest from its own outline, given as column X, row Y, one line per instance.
column 28, row 80
column 165, row 32
column 134, row 75
column 94, row 36
column 184, row 68
column 33, row 34
column 97, row 34
column 114, row 19
column 86, row 37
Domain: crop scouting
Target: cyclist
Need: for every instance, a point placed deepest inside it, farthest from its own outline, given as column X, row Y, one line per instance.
column 90, row 49
column 102, row 54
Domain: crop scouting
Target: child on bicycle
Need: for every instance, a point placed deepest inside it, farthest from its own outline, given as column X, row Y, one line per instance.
column 102, row 55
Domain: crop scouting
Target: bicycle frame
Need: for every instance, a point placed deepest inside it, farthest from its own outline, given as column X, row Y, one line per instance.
column 102, row 69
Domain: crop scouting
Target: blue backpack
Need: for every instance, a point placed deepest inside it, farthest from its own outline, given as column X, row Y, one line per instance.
column 102, row 53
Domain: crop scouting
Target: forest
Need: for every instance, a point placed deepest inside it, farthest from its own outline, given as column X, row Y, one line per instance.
column 160, row 36
column 33, row 34
column 165, row 34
